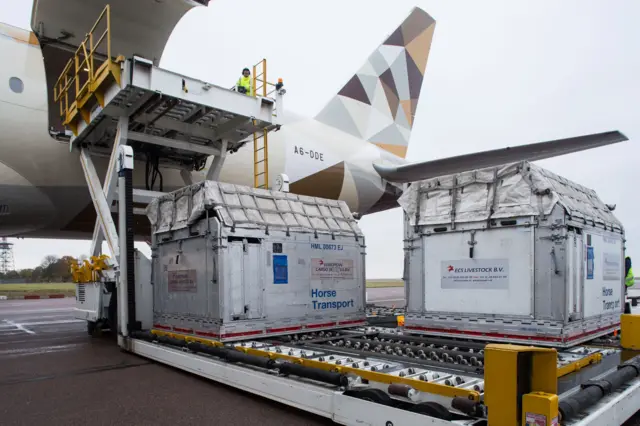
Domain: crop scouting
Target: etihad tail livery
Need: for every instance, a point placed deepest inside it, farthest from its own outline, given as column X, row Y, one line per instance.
column 352, row 150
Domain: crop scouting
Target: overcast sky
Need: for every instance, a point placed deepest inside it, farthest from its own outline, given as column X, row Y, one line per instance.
column 500, row 73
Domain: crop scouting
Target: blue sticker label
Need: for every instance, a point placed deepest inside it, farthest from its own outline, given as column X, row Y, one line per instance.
column 589, row 263
column 280, row 269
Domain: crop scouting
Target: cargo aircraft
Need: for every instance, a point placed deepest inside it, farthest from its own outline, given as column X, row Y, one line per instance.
column 354, row 149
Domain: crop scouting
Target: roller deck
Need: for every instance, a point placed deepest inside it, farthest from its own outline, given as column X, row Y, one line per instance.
column 438, row 371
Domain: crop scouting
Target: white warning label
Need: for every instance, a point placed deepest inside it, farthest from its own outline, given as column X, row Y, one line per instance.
column 182, row 281
column 332, row 269
column 611, row 267
column 532, row 419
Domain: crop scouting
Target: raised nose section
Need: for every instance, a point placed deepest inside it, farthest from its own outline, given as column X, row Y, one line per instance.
column 23, row 207
column 140, row 27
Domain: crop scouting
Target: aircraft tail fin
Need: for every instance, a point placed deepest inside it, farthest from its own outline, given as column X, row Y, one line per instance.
column 379, row 102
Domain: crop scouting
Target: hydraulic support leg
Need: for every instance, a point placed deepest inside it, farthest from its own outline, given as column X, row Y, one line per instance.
column 186, row 177
column 105, row 221
column 216, row 164
column 122, row 283
column 110, row 181
column 126, row 280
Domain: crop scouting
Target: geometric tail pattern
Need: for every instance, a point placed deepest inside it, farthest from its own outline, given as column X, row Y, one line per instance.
column 379, row 102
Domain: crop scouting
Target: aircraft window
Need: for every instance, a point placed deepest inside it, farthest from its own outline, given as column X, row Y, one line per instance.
column 16, row 85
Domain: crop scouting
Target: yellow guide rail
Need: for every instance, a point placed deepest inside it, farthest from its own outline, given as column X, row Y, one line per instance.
column 82, row 81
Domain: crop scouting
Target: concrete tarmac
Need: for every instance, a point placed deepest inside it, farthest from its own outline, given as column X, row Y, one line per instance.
column 53, row 373
column 386, row 296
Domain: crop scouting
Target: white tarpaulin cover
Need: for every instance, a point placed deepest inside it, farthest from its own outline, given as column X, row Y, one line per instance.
column 512, row 190
column 245, row 207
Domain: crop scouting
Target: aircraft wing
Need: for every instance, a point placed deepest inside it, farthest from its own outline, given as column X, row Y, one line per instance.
column 536, row 151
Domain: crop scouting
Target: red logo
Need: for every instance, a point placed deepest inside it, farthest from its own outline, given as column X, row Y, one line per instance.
column 321, row 262
column 450, row 268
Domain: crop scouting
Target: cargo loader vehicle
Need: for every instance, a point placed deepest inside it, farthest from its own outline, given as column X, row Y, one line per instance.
column 514, row 287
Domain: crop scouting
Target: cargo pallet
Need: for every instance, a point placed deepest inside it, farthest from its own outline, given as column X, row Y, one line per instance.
column 354, row 376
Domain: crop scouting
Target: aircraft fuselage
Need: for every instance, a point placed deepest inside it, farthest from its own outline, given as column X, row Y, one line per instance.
column 43, row 191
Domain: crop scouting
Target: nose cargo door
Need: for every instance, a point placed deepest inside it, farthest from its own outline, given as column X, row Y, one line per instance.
column 140, row 27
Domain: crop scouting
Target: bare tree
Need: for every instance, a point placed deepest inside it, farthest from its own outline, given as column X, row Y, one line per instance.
column 48, row 261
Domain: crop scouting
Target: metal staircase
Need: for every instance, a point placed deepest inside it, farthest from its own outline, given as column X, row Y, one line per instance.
column 262, row 87
column 261, row 160
column 169, row 120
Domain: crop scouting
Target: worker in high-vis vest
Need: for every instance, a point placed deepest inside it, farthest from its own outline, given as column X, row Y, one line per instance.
column 628, row 282
column 244, row 84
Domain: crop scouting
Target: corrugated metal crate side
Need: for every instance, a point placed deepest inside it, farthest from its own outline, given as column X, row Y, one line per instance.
column 561, row 297
column 247, row 281
column 301, row 276
column 183, row 274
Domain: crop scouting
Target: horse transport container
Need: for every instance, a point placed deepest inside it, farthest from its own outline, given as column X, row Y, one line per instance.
column 231, row 261
column 513, row 254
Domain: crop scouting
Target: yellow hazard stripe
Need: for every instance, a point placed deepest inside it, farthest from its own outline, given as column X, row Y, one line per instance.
column 579, row 364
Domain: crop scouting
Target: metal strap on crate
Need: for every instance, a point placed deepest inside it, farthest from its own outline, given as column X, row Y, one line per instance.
column 418, row 198
column 454, row 193
column 494, row 196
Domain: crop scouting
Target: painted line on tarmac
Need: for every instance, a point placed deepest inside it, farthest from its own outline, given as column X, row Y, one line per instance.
column 14, row 353
column 68, row 336
column 69, row 321
column 20, row 327
column 11, row 332
column 35, row 311
column 23, row 319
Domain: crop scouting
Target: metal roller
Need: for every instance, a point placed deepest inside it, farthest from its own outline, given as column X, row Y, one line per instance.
column 451, row 355
column 595, row 390
column 332, row 378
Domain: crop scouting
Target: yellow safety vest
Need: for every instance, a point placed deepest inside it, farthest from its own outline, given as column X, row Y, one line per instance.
column 247, row 84
column 629, row 278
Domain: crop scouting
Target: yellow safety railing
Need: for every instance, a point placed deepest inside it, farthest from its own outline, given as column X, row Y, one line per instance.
column 260, row 83
column 81, row 79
